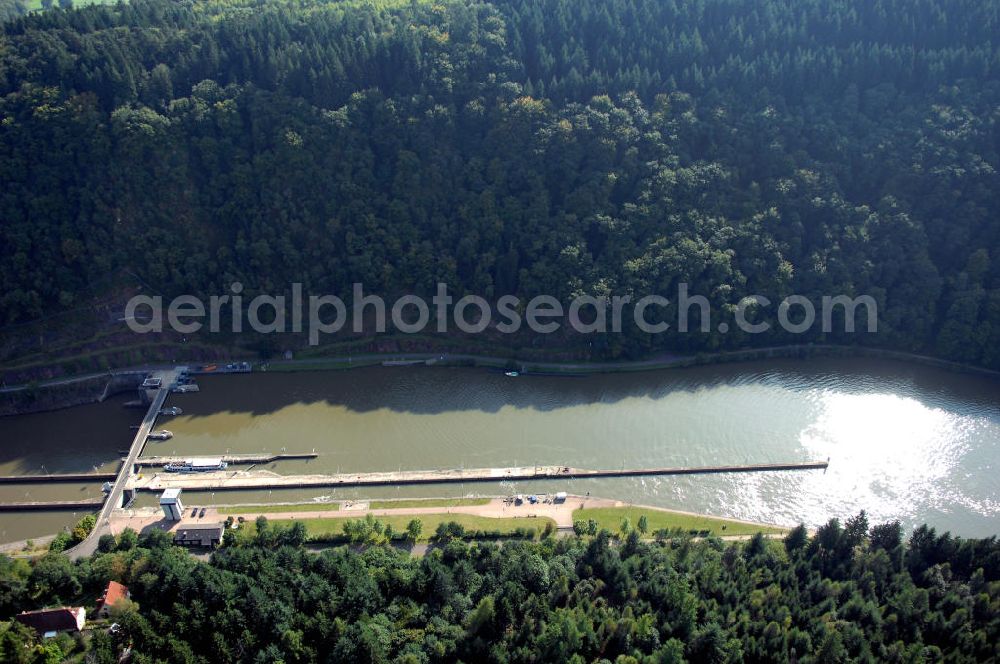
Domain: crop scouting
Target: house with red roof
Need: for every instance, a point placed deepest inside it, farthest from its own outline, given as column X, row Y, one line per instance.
column 114, row 593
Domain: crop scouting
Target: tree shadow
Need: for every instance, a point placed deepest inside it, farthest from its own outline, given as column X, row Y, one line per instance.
column 435, row 390
column 71, row 440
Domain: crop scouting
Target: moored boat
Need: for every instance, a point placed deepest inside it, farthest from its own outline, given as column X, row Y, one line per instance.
column 196, row 465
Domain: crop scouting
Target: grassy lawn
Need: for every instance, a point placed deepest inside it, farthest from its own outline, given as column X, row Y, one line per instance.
column 425, row 502
column 275, row 508
column 316, row 527
column 611, row 518
column 272, row 508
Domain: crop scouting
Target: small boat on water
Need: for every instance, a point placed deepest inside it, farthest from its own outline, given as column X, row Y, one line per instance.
column 172, row 410
column 163, row 434
column 512, row 374
column 196, row 465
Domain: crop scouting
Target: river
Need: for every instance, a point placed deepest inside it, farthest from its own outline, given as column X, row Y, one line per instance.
column 904, row 441
column 82, row 439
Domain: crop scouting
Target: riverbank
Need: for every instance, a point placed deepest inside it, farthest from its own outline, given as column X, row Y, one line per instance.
column 65, row 393
column 484, row 513
column 661, row 361
column 78, row 390
column 28, row 548
column 497, row 513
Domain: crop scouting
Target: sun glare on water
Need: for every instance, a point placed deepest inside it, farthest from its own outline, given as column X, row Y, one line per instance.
column 889, row 453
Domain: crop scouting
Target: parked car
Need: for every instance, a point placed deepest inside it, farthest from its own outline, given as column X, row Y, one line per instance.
column 194, row 512
column 202, row 513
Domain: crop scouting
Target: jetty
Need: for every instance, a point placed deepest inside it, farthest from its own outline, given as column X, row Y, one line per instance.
column 263, row 479
column 228, row 458
column 57, row 477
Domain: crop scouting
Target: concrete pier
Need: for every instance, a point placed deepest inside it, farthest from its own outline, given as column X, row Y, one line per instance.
column 57, row 477
column 43, row 505
column 262, row 479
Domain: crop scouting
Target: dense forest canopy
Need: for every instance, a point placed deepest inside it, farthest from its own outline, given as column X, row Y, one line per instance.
column 851, row 592
column 10, row 9
column 819, row 147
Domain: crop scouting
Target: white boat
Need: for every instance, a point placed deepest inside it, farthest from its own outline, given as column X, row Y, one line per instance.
column 196, row 465
column 512, row 374
column 161, row 435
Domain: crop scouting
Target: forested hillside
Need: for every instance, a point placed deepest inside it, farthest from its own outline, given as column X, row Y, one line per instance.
column 516, row 146
column 850, row 593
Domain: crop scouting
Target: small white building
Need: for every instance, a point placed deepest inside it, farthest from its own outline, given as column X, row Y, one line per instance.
column 170, row 503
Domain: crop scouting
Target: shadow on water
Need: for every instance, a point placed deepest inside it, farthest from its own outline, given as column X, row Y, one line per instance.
column 91, row 437
column 921, row 448
column 436, row 390
column 80, row 439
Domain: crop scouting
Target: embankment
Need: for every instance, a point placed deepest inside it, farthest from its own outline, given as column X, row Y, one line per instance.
column 664, row 361
column 72, row 392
